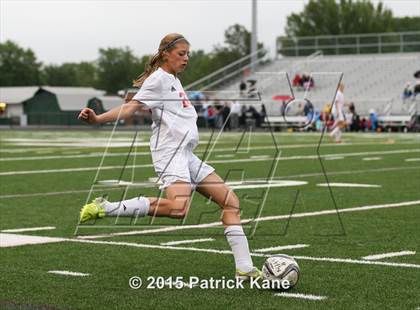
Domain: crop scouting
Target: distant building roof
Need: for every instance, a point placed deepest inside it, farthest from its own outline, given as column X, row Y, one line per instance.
column 73, row 98
column 17, row 94
column 109, row 102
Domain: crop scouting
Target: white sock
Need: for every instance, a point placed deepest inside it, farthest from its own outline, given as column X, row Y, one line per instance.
column 338, row 135
column 334, row 132
column 239, row 245
column 138, row 206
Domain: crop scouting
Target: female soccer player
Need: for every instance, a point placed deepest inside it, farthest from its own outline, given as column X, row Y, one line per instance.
column 338, row 113
column 174, row 136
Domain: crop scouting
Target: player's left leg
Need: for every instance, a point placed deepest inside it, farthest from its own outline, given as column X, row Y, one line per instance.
column 214, row 188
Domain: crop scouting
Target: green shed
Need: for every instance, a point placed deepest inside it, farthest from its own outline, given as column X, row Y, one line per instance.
column 58, row 105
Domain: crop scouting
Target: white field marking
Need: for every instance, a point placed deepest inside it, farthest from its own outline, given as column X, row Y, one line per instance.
column 412, row 159
column 386, row 255
column 59, row 148
column 273, row 183
column 334, row 158
column 197, row 151
column 210, row 162
column 12, row 240
column 247, row 221
column 38, row 240
column 371, row 158
column 187, row 241
column 347, row 185
column 69, row 273
column 225, row 155
column 28, row 229
column 260, row 157
column 93, row 143
column 215, row 251
column 301, row 296
column 307, row 175
column 356, row 261
column 282, row 247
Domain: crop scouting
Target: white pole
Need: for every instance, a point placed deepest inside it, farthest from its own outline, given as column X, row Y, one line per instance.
column 254, row 35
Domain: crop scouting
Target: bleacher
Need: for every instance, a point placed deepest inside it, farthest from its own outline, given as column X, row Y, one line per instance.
column 372, row 81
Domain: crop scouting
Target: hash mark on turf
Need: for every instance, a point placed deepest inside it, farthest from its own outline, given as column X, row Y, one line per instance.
column 27, row 229
column 386, row 255
column 282, row 247
column 69, row 273
column 302, row 296
column 187, row 241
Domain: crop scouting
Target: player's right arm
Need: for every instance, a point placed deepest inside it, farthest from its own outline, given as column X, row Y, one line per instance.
column 123, row 111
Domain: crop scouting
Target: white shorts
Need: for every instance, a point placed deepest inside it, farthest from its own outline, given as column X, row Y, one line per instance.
column 339, row 117
column 181, row 165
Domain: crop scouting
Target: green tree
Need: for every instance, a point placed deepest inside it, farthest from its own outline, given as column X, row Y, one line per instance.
column 329, row 17
column 18, row 67
column 70, row 74
column 406, row 24
column 237, row 40
column 117, row 68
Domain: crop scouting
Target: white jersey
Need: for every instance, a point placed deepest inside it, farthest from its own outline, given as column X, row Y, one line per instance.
column 174, row 118
column 338, row 106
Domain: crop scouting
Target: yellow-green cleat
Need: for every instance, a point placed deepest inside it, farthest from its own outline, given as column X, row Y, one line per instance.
column 93, row 210
column 254, row 274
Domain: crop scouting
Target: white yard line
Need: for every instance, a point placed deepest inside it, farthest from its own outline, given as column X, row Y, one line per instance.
column 412, row 159
column 69, row 273
column 301, row 296
column 12, row 240
column 260, row 157
column 386, row 255
column 281, row 247
column 27, row 229
column 43, row 171
column 347, row 185
column 334, row 158
column 356, row 261
column 247, row 221
column 371, row 158
column 187, row 241
column 149, row 184
column 193, row 249
column 216, row 251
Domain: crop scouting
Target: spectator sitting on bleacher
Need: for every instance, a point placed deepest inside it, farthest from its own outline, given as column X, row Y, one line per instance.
column 307, row 82
column 407, row 92
column 255, row 115
column 308, row 110
column 252, row 90
column 297, row 80
column 210, row 116
column 354, row 118
column 235, row 111
column 373, row 120
column 225, row 111
column 242, row 88
column 242, row 118
column 263, row 113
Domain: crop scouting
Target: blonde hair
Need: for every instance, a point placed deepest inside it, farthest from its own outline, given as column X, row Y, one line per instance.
column 167, row 44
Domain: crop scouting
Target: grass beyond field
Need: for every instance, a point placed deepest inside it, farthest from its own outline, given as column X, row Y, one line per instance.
column 371, row 207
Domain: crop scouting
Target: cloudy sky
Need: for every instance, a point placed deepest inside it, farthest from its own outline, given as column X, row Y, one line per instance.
column 73, row 30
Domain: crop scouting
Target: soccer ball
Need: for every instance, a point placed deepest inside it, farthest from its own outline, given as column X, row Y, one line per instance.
column 281, row 267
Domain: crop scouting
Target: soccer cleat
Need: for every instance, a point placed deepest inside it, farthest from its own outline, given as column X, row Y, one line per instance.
column 254, row 274
column 93, row 210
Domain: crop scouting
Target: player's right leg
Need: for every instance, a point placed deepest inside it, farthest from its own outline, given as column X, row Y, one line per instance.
column 175, row 205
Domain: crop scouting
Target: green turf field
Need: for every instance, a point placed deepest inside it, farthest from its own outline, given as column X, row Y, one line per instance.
column 46, row 176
